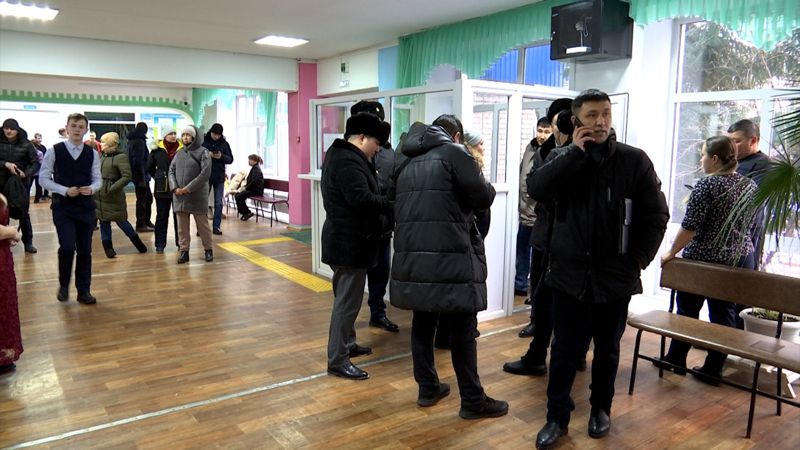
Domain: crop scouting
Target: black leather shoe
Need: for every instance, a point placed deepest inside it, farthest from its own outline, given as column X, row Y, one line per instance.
column 145, row 229
column 384, row 323
column 599, row 423
column 8, row 368
column 527, row 331
column 247, row 216
column 349, row 371
column 706, row 376
column 86, row 298
column 488, row 408
column 520, row 292
column 63, row 294
column 525, row 367
column 217, row 232
column 31, row 249
column 209, row 255
column 549, row 435
column 359, row 350
column 426, row 401
column 662, row 364
column 183, row 257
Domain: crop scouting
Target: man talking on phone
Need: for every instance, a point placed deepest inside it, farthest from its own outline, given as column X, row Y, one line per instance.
column 610, row 217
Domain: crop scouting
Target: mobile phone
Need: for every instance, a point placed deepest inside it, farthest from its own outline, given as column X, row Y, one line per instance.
column 577, row 122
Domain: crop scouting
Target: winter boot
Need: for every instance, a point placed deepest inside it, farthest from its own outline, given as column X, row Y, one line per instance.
column 137, row 242
column 110, row 253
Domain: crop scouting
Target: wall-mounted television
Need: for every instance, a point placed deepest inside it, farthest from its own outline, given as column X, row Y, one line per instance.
column 591, row 30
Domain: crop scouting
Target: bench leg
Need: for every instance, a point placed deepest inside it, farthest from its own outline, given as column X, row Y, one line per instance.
column 635, row 361
column 753, row 392
column 780, row 390
column 661, row 355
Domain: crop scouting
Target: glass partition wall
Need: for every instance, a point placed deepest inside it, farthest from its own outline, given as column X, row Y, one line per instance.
column 504, row 114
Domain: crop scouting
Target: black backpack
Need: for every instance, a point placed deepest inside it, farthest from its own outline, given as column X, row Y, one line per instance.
column 18, row 194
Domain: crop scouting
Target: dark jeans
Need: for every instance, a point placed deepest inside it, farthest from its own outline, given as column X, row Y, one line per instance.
column 464, row 352
column 40, row 192
column 241, row 202
column 26, row 228
column 219, row 190
column 144, row 202
column 719, row 311
column 377, row 277
column 163, row 206
column 124, row 225
column 74, row 237
column 575, row 323
column 523, row 257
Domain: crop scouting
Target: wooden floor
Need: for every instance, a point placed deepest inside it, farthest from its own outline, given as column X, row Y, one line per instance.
column 231, row 355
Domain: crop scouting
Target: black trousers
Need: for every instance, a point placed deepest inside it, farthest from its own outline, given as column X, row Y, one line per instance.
column 74, row 238
column 144, row 202
column 163, row 206
column 575, row 323
column 464, row 352
column 241, row 202
column 541, row 310
column 377, row 278
column 40, row 192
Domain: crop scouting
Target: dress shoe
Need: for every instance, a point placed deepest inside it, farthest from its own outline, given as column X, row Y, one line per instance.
column 31, row 249
column 108, row 248
column 8, row 368
column 525, row 367
column 145, row 229
column 528, row 301
column 86, row 298
column 520, row 292
column 549, row 435
column 183, row 257
column 209, row 255
column 359, row 350
column 348, row 370
column 159, row 250
column 384, row 323
column 217, row 232
column 706, row 376
column 664, row 364
column 527, row 331
column 489, row 407
column 426, row 401
column 63, row 294
column 599, row 423
column 151, row 225
column 247, row 216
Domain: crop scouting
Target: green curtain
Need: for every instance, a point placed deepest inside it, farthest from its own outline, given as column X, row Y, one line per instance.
column 474, row 45
column 202, row 97
column 764, row 23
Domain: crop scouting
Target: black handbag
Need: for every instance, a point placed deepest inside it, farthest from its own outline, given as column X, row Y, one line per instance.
column 17, row 192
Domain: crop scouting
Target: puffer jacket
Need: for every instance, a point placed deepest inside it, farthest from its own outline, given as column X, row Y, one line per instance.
column 115, row 170
column 190, row 169
column 353, row 205
column 20, row 152
column 137, row 155
column 439, row 262
column 588, row 259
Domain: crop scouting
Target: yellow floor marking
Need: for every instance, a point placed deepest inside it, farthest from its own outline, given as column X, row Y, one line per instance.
column 304, row 279
column 264, row 241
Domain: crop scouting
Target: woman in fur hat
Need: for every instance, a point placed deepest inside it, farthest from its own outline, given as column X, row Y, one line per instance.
column 115, row 169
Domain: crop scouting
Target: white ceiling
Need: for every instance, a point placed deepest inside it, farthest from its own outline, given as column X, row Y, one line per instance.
column 333, row 27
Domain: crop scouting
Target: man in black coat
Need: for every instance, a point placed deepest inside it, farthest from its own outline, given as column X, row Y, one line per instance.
column 18, row 159
column 439, row 266
column 221, row 155
column 350, row 235
column 138, row 155
column 609, row 219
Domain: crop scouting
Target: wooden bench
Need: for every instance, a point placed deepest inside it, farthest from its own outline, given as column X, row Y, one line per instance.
column 275, row 193
column 736, row 285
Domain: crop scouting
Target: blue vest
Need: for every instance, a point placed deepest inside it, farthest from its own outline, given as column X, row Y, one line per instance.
column 74, row 172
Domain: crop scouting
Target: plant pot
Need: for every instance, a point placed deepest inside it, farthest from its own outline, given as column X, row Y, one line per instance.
column 790, row 330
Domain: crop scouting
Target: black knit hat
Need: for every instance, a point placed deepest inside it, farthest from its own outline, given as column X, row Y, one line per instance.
column 11, row 124
column 557, row 106
column 366, row 124
column 368, row 107
column 216, row 128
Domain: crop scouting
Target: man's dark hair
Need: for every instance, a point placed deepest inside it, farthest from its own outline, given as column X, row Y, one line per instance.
column 76, row 117
column 747, row 127
column 543, row 122
column 589, row 95
column 450, row 124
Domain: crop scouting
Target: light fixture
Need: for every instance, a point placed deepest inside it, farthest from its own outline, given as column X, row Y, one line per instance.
column 27, row 11
column 281, row 41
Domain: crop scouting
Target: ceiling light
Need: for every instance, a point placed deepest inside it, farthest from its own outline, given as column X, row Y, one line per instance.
column 281, row 41
column 27, row 11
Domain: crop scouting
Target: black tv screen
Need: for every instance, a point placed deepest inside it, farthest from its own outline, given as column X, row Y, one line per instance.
column 591, row 30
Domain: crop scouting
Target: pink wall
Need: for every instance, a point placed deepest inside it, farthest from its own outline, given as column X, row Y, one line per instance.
column 299, row 159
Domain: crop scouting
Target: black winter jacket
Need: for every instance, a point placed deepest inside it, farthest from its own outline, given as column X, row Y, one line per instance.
column 218, row 165
column 138, row 154
column 158, row 167
column 255, row 181
column 384, row 165
column 353, row 205
column 542, row 225
column 439, row 261
column 587, row 258
column 20, row 152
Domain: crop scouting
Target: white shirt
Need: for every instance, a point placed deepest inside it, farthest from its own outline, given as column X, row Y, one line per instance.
column 46, row 172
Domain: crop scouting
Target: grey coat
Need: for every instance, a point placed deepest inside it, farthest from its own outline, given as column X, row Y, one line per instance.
column 191, row 169
column 527, row 215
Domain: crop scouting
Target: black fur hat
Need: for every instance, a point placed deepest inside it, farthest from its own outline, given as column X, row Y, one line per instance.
column 367, row 124
column 368, row 107
column 557, row 106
